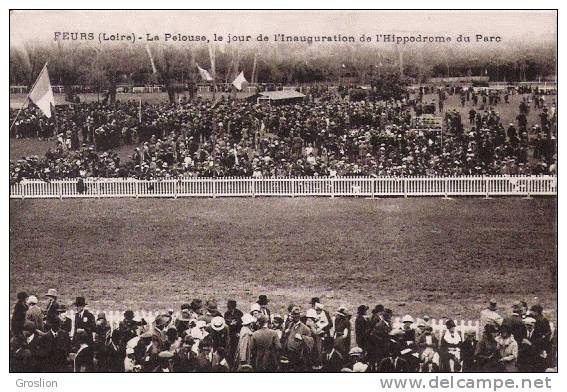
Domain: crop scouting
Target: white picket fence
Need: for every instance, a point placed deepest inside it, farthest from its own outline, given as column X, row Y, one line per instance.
column 488, row 186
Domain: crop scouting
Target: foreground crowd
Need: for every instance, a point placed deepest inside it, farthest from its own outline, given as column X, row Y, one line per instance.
column 202, row 339
column 326, row 136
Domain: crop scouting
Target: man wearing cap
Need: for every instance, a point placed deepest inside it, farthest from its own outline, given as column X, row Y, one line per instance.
column 264, row 347
column 84, row 319
column 490, row 315
column 34, row 313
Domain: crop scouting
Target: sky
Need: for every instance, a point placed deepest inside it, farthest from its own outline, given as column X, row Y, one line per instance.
column 513, row 26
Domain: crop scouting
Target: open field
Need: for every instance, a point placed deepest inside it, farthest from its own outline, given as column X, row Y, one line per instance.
column 441, row 257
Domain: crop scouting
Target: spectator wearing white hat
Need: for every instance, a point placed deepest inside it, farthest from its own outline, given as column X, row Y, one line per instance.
column 528, row 353
column 243, row 355
column 34, row 313
column 219, row 334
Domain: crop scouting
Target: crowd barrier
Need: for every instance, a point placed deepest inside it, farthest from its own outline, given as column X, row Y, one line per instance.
column 114, row 318
column 486, row 186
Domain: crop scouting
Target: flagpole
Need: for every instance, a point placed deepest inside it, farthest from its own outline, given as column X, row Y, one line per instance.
column 27, row 97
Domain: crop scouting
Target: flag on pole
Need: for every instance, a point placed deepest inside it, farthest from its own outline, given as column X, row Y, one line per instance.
column 154, row 69
column 204, row 74
column 239, row 81
column 42, row 94
column 212, row 56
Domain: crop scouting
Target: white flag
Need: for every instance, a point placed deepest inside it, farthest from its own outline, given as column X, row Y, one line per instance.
column 154, row 69
column 204, row 74
column 239, row 81
column 42, row 94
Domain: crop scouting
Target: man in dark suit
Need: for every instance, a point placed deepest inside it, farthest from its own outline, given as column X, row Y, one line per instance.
column 233, row 318
column 265, row 347
column 54, row 346
column 541, row 336
column 84, row 319
column 529, row 359
column 379, row 338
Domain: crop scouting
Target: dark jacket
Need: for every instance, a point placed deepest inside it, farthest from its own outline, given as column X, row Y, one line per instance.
column 83, row 362
column 18, row 317
column 54, row 350
column 264, row 350
column 361, row 331
column 87, row 322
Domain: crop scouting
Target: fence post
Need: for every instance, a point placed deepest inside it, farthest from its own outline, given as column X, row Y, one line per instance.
column 373, row 185
column 175, row 189
column 60, row 190
column 24, row 186
column 332, row 188
column 405, row 187
column 446, row 185
column 253, row 187
column 292, row 187
column 98, row 189
column 137, row 188
column 487, row 188
column 528, row 188
column 214, row 188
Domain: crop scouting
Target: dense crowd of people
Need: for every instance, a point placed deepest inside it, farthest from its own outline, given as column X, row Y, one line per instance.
column 200, row 338
column 326, row 135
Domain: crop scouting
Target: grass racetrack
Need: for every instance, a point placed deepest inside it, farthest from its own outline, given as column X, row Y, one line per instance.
column 434, row 256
